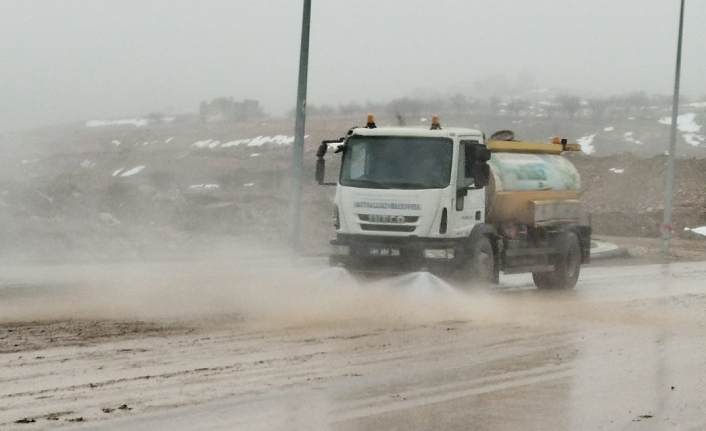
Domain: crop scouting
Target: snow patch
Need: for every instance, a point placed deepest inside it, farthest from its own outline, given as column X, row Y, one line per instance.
column 204, row 186
column 697, row 105
column 87, row 164
column 137, row 122
column 133, row 171
column 700, row 230
column 115, row 142
column 421, row 120
column 617, row 170
column 115, row 174
column 254, row 154
column 169, row 140
column 252, row 142
column 586, row 143
column 687, row 125
column 609, row 129
column 278, row 140
column 208, row 143
column 29, row 161
column 248, row 184
column 629, row 136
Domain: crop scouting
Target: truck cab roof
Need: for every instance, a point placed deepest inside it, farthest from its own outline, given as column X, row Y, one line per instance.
column 450, row 132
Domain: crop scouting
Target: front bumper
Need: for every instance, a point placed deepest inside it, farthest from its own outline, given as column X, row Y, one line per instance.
column 397, row 254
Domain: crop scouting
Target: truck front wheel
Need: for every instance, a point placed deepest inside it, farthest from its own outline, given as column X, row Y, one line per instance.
column 482, row 265
column 567, row 268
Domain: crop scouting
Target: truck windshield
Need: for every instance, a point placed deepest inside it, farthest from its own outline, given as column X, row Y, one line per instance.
column 388, row 162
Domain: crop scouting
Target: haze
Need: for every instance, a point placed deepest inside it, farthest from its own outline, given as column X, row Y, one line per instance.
column 76, row 60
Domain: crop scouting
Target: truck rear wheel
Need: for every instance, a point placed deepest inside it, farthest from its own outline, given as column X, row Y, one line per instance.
column 568, row 266
column 482, row 265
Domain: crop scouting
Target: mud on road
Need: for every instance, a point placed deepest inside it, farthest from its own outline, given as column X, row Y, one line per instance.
column 150, row 348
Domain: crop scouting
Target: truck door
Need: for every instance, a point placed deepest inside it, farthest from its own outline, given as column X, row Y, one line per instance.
column 470, row 202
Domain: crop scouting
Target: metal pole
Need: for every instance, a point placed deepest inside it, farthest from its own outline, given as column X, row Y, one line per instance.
column 669, row 192
column 298, row 148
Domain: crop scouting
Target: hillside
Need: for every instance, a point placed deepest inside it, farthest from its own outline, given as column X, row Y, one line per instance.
column 182, row 189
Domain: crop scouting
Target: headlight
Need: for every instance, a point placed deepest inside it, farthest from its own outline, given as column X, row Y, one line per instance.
column 448, row 253
column 342, row 250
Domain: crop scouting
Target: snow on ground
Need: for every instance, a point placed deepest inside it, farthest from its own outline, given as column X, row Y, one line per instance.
column 132, row 171
column 29, row 161
column 208, row 143
column 252, row 142
column 279, row 140
column 205, row 186
column 137, row 122
column 630, row 137
column 700, row 230
column 169, row 140
column 617, row 170
column 586, row 143
column 115, row 142
column 115, row 174
column 254, row 154
column 87, row 164
column 248, row 184
column 697, row 105
column 687, row 125
column 609, row 129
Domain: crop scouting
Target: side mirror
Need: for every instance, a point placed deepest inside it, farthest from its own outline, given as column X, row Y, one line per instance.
column 481, row 174
column 320, row 170
column 481, row 153
column 321, row 163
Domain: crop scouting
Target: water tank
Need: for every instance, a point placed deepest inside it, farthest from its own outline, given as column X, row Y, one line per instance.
column 533, row 189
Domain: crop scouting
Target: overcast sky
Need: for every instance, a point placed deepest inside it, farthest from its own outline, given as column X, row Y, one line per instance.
column 75, row 60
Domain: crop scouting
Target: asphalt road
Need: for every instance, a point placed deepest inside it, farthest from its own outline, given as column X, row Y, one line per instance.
column 624, row 351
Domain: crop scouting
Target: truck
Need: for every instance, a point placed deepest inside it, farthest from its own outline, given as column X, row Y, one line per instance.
column 447, row 201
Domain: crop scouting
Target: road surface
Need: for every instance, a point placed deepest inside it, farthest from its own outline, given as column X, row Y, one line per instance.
column 206, row 347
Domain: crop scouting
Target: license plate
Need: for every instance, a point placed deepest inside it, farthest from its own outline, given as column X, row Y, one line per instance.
column 384, row 251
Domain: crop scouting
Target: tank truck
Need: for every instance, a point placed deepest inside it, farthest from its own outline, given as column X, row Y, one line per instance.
column 447, row 201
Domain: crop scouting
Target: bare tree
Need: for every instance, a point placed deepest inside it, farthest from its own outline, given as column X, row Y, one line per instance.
column 517, row 105
column 570, row 105
column 460, row 104
column 599, row 107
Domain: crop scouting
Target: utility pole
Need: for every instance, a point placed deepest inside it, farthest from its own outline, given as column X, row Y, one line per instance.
column 669, row 192
column 298, row 148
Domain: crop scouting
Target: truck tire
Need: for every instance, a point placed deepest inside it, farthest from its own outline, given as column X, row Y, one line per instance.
column 568, row 266
column 482, row 268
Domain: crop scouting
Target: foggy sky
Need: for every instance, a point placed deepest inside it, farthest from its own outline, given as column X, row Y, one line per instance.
column 74, row 60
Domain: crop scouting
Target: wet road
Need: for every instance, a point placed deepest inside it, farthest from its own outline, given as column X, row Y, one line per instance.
column 626, row 350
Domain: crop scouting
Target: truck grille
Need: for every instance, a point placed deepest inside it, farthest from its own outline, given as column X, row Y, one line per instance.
column 379, row 218
column 387, row 223
column 387, row 228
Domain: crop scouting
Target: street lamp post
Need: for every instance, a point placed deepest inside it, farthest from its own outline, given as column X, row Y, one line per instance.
column 298, row 148
column 669, row 192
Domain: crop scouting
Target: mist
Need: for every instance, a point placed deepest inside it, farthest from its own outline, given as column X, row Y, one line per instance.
column 78, row 60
